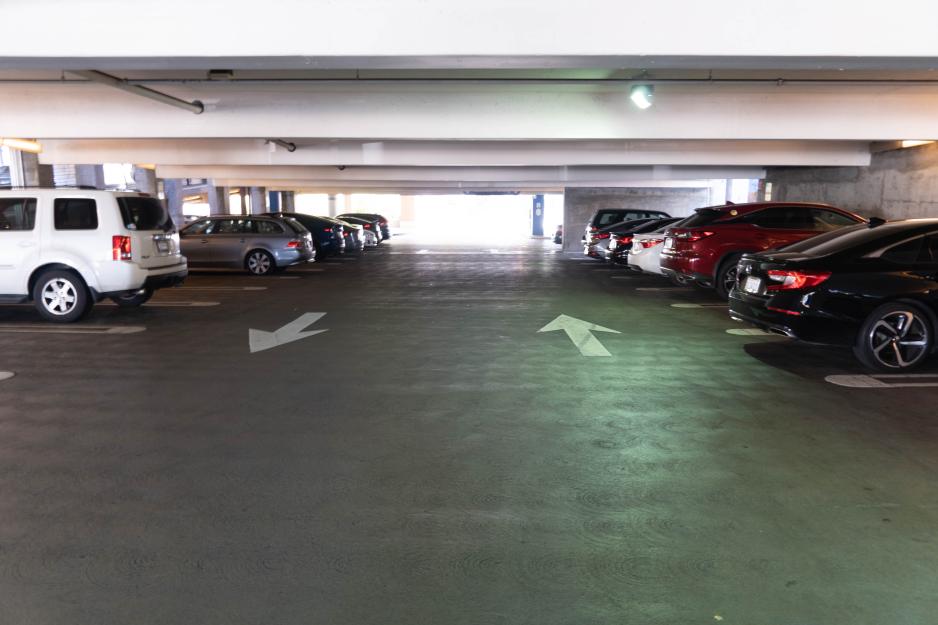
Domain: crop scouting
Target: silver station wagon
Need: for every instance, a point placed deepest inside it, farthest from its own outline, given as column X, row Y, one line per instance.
column 259, row 244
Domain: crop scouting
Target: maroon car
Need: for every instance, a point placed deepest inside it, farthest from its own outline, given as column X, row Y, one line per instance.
column 707, row 247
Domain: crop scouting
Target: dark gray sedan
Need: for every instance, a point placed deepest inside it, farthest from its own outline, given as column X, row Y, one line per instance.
column 259, row 244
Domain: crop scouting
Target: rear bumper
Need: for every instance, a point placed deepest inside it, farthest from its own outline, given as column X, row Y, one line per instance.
column 685, row 265
column 152, row 282
column 285, row 258
column 797, row 323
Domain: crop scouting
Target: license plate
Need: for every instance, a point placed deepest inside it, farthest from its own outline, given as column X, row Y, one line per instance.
column 163, row 247
column 752, row 284
column 669, row 243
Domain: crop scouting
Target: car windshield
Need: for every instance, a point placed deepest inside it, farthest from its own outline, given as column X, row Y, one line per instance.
column 144, row 213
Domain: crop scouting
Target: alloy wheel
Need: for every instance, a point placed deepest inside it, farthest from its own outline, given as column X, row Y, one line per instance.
column 729, row 279
column 259, row 263
column 899, row 339
column 59, row 296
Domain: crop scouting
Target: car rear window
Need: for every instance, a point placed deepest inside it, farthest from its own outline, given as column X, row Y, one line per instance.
column 703, row 217
column 144, row 213
column 295, row 225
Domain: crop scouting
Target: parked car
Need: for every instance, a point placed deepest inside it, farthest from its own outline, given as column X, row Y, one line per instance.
column 380, row 224
column 621, row 243
column 328, row 235
column 597, row 243
column 66, row 249
column 608, row 216
column 645, row 253
column 558, row 234
column 872, row 287
column 259, row 244
column 354, row 239
column 706, row 248
column 371, row 235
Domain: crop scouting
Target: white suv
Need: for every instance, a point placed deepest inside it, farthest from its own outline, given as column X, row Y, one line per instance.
column 65, row 249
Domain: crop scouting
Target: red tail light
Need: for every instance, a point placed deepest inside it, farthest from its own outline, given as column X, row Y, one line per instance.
column 602, row 235
column 120, row 247
column 795, row 280
column 295, row 243
column 625, row 239
column 327, row 229
column 368, row 225
column 693, row 235
column 651, row 243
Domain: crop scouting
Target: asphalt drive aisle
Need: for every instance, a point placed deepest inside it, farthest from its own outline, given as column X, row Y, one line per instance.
column 432, row 458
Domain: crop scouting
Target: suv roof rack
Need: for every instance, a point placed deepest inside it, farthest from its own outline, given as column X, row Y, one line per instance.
column 81, row 187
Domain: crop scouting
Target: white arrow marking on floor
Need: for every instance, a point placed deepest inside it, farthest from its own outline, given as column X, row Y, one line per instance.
column 749, row 332
column 6, row 375
column 699, row 305
column 45, row 329
column 581, row 333
column 891, row 380
column 259, row 340
column 171, row 304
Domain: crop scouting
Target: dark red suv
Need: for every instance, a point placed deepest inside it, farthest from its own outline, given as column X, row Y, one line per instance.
column 707, row 247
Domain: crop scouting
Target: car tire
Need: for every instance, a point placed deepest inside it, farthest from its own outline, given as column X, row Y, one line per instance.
column 60, row 295
column 897, row 336
column 726, row 276
column 260, row 263
column 134, row 300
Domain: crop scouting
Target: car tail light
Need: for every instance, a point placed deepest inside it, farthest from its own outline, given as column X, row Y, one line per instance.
column 602, row 235
column 295, row 243
column 120, row 247
column 651, row 243
column 795, row 280
column 693, row 235
column 626, row 239
column 327, row 229
column 368, row 225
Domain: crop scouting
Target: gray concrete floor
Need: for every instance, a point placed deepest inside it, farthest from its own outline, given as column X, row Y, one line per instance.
column 433, row 459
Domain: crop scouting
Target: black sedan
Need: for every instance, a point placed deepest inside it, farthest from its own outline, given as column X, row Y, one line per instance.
column 872, row 287
column 620, row 243
column 599, row 241
column 379, row 223
column 327, row 233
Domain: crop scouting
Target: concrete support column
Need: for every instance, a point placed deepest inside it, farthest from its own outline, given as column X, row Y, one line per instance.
column 287, row 201
column 89, row 176
column 145, row 180
column 34, row 174
column 537, row 216
column 332, row 205
column 218, row 203
column 408, row 212
column 172, row 189
column 273, row 200
column 258, row 200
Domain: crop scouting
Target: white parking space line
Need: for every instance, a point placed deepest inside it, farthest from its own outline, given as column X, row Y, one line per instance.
column 708, row 305
column 169, row 304
column 6, row 375
column 885, row 380
column 303, row 270
column 221, row 288
column 52, row 329
column 749, row 332
column 660, row 288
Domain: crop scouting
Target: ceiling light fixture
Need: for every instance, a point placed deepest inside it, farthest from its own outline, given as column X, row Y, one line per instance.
column 642, row 96
column 911, row 143
column 23, row 145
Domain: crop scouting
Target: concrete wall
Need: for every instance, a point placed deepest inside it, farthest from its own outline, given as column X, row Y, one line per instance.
column 898, row 184
column 580, row 204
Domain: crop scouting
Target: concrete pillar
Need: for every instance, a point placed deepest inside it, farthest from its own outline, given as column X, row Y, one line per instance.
column 34, row 174
column 90, row 176
column 258, row 200
column 273, row 200
column 332, row 205
column 408, row 212
column 287, row 201
column 145, row 180
column 218, row 203
column 172, row 189
column 537, row 216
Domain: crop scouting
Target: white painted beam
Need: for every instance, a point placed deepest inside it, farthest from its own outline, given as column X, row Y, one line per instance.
column 456, row 153
column 503, row 32
column 433, row 111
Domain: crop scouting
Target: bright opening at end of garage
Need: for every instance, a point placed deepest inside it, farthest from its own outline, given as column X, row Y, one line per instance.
column 490, row 220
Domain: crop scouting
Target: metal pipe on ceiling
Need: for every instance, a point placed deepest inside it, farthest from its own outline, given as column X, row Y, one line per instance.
column 124, row 85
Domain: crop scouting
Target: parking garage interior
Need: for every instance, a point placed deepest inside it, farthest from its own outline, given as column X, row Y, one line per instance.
column 473, row 420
